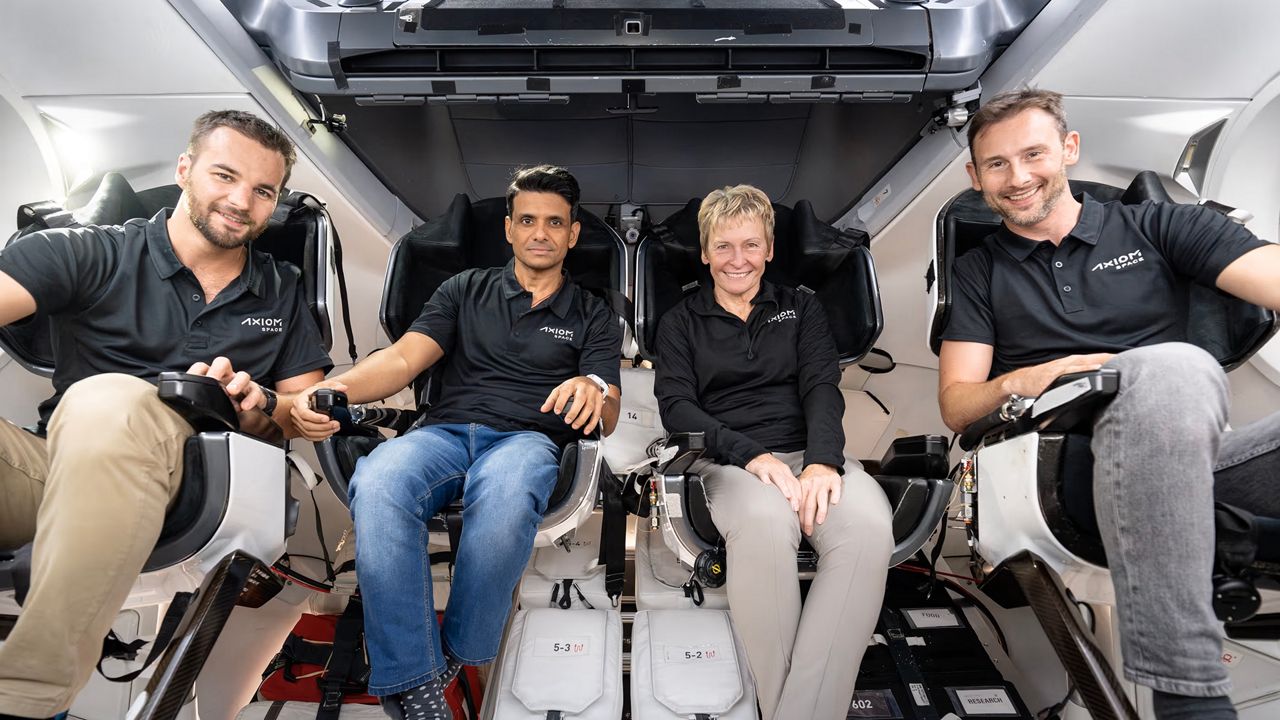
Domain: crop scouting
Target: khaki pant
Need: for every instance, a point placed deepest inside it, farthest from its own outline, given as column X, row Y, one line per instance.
column 93, row 498
column 805, row 661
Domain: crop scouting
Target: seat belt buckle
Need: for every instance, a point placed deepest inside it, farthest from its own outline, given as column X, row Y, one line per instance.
column 332, row 699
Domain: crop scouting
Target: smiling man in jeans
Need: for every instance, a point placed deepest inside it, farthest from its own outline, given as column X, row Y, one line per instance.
column 1070, row 284
column 522, row 345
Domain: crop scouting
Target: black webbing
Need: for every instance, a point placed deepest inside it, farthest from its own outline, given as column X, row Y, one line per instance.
column 613, row 539
column 168, row 627
column 347, row 646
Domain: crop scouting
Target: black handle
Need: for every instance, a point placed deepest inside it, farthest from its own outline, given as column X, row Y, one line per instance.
column 326, row 400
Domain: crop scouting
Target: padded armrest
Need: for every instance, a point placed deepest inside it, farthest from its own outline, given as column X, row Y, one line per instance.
column 680, row 452
column 200, row 400
column 1074, row 398
column 1069, row 401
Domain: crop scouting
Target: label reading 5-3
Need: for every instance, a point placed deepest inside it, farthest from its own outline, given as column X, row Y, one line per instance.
column 560, row 647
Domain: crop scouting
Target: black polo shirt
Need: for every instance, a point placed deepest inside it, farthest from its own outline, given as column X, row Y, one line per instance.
column 1118, row 281
column 121, row 302
column 504, row 357
column 770, row 384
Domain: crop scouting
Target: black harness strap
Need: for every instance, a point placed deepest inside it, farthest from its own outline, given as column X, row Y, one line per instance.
column 613, row 537
column 453, row 523
column 113, row 647
column 347, row 646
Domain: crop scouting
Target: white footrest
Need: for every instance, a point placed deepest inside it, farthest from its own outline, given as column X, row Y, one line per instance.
column 564, row 661
column 660, row 577
column 686, row 663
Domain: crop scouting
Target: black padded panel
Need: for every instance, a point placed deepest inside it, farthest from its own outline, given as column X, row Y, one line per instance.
column 471, row 235
column 186, row 506
column 1228, row 328
column 836, row 265
column 907, row 497
column 564, row 478
column 201, row 502
column 1064, row 484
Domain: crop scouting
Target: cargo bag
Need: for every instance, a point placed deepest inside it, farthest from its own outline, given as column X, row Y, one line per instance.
column 561, row 665
column 322, row 661
column 689, row 664
column 926, row 661
column 567, row 574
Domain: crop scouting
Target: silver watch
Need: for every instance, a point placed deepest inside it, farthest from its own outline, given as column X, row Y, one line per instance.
column 600, row 383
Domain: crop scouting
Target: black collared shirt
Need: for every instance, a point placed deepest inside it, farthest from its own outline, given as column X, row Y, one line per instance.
column 121, row 302
column 770, row 384
column 504, row 357
column 1118, row 281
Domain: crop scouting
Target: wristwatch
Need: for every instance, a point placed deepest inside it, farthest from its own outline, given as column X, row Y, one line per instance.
column 600, row 383
column 270, row 408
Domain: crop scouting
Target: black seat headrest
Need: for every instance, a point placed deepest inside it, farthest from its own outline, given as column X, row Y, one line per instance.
column 836, row 265
column 472, row 235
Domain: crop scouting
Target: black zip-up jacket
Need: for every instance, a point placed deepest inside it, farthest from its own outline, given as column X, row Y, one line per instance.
column 770, row 384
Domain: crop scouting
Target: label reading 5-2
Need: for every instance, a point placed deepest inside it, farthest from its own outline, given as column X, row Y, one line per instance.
column 694, row 653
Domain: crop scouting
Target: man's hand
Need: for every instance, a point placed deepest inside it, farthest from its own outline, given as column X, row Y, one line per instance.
column 820, row 486
column 310, row 424
column 1032, row 381
column 588, row 403
column 773, row 471
column 245, row 394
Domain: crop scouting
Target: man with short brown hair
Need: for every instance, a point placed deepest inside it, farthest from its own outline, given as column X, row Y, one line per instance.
column 1070, row 284
column 90, row 486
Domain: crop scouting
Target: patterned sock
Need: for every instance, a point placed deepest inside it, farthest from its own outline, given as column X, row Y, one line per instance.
column 1183, row 707
column 451, row 669
column 425, row 702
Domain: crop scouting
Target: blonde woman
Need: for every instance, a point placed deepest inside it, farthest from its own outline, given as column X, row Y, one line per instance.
column 753, row 365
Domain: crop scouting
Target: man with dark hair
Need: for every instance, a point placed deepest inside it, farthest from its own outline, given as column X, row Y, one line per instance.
column 523, row 344
column 91, row 484
column 1070, row 284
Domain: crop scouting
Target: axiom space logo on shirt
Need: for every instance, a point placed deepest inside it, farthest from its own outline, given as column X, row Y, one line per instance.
column 564, row 334
column 268, row 325
column 1118, row 263
column 784, row 315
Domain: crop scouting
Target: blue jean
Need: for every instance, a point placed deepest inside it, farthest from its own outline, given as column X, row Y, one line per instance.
column 504, row 480
column 1156, row 449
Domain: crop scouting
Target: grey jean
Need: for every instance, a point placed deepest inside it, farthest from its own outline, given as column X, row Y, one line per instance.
column 1156, row 449
column 804, row 662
